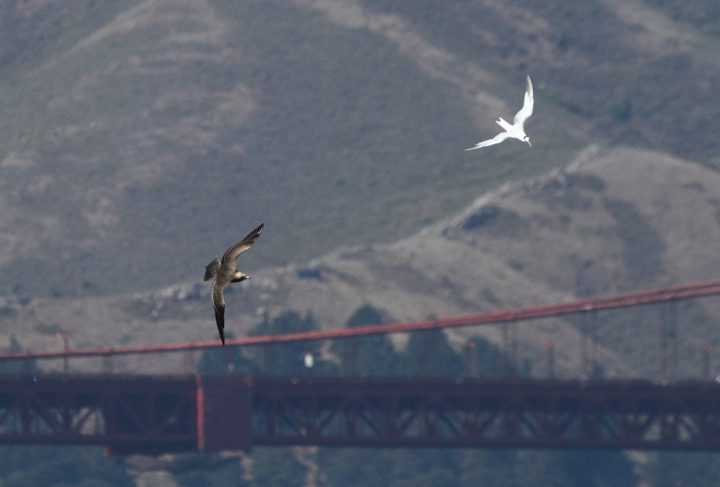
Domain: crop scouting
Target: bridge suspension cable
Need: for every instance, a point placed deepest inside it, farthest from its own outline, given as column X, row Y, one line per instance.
column 637, row 298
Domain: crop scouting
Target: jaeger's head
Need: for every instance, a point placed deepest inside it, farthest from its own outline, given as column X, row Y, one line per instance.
column 239, row 277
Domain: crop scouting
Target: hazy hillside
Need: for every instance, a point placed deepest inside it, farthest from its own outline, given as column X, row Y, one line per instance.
column 614, row 220
column 140, row 138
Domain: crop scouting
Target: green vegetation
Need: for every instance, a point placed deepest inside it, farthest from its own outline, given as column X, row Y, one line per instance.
column 211, row 469
column 52, row 466
column 278, row 359
column 19, row 366
column 288, row 359
column 498, row 222
column 486, row 358
column 585, row 180
column 277, row 467
column 362, row 467
column 227, row 360
column 370, row 355
column 665, row 469
column 461, row 468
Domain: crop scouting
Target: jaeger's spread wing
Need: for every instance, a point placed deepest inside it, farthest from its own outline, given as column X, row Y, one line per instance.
column 233, row 252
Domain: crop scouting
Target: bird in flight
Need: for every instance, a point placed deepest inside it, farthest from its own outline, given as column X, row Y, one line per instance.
column 224, row 272
column 517, row 129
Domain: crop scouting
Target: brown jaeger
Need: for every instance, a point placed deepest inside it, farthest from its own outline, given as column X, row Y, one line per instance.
column 224, row 272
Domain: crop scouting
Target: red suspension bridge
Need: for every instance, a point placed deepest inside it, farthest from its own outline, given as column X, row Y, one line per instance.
column 181, row 413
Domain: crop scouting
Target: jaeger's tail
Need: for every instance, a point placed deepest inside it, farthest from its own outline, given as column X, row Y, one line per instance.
column 211, row 269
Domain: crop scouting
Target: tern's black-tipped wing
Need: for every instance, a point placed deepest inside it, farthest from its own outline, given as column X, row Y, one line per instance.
column 240, row 247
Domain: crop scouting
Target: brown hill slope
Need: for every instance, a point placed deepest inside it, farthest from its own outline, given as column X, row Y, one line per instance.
column 612, row 221
column 130, row 129
column 187, row 121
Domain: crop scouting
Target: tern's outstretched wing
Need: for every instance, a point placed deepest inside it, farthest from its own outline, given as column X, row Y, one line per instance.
column 240, row 247
column 495, row 140
column 527, row 108
column 219, row 306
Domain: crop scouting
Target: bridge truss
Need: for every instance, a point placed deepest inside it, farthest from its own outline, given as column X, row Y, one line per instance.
column 493, row 414
column 127, row 414
column 170, row 414
column 151, row 415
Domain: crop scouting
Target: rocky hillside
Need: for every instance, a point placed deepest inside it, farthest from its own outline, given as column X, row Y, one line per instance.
column 612, row 221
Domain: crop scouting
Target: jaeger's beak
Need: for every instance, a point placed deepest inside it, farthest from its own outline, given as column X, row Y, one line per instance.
column 529, row 143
